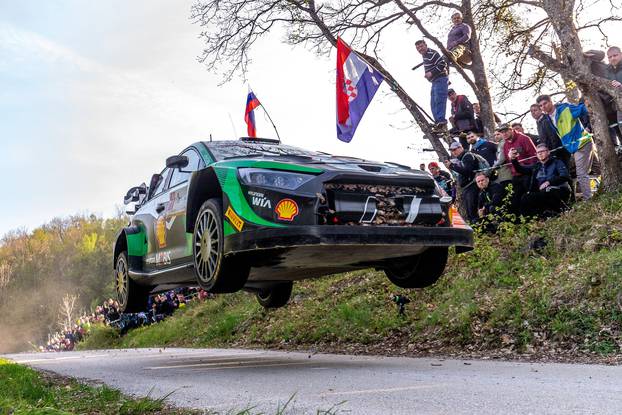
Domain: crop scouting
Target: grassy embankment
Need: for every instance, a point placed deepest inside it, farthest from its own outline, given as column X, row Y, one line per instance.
column 26, row 391
column 501, row 299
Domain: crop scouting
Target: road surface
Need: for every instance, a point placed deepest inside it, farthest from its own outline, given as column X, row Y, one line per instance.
column 225, row 379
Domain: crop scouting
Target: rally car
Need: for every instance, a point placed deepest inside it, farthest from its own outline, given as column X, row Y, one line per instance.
column 255, row 214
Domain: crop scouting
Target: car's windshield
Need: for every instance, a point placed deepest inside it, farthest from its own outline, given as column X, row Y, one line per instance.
column 236, row 149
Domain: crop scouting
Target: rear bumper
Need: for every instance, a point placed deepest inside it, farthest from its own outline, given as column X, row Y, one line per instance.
column 327, row 235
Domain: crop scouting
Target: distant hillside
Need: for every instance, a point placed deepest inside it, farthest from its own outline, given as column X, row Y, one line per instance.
column 549, row 289
column 68, row 258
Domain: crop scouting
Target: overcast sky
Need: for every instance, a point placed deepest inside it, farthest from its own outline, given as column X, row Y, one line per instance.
column 95, row 95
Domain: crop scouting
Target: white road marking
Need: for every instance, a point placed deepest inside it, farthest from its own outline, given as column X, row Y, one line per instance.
column 371, row 391
column 56, row 359
column 232, row 365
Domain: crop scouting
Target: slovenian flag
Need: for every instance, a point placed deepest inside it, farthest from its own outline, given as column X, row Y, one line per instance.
column 357, row 82
column 249, row 116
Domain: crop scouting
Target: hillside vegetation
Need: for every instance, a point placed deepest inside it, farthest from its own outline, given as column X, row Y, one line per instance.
column 545, row 289
column 67, row 259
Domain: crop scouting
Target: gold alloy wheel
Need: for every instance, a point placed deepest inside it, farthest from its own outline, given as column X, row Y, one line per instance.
column 121, row 281
column 206, row 246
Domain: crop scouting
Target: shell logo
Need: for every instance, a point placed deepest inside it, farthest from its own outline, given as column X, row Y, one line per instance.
column 286, row 209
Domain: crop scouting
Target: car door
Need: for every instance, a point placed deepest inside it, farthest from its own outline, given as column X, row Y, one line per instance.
column 148, row 218
column 178, row 249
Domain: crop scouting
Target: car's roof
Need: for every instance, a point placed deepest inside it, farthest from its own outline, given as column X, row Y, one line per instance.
column 266, row 149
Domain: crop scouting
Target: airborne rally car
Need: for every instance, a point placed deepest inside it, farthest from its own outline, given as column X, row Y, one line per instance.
column 257, row 215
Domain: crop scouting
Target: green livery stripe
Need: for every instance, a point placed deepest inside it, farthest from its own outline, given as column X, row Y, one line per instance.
column 265, row 164
column 231, row 186
column 205, row 154
column 136, row 243
column 227, row 228
column 188, row 244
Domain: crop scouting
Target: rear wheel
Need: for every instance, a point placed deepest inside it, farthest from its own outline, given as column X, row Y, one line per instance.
column 418, row 271
column 213, row 272
column 276, row 295
column 132, row 298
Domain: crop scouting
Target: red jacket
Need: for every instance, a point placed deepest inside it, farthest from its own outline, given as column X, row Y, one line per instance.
column 525, row 148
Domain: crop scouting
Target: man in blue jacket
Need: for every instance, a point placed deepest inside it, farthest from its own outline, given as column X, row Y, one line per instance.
column 549, row 186
column 483, row 147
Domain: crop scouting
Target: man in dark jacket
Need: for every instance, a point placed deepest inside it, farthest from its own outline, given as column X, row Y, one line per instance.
column 614, row 56
column 599, row 68
column 490, row 199
column 465, row 164
column 483, row 147
column 549, row 186
column 436, row 72
column 462, row 114
column 443, row 178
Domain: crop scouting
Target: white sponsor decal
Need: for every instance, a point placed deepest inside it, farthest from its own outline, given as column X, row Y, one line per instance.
column 163, row 258
column 260, row 200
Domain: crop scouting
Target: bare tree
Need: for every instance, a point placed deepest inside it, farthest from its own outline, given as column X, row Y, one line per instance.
column 67, row 312
column 232, row 27
column 5, row 279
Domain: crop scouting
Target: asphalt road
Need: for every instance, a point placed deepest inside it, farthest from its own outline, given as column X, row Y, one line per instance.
column 226, row 379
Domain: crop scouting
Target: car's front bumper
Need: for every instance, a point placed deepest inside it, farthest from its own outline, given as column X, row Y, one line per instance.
column 340, row 235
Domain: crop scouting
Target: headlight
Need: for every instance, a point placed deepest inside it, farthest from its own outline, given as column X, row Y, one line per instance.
column 273, row 178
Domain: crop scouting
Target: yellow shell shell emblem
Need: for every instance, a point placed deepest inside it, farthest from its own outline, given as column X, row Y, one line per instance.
column 286, row 209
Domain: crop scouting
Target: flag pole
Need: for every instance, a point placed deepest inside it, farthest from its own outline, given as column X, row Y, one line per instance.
column 266, row 111
column 272, row 122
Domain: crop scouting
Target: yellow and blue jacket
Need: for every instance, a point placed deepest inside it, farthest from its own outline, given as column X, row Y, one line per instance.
column 569, row 128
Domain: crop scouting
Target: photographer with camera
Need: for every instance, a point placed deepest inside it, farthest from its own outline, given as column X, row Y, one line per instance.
column 549, row 184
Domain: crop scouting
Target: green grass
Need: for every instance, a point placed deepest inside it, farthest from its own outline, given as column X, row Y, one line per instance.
column 502, row 295
column 25, row 391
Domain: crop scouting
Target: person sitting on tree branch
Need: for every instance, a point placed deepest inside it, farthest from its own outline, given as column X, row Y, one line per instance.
column 459, row 40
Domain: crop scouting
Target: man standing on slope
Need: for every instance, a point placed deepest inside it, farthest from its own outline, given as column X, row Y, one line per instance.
column 436, row 72
column 565, row 119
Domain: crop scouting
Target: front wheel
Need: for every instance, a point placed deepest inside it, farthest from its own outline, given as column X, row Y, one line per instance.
column 418, row 271
column 275, row 296
column 132, row 298
column 213, row 272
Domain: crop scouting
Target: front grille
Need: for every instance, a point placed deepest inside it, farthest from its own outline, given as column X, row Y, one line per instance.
column 374, row 204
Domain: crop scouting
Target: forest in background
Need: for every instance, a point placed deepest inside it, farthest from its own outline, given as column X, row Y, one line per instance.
column 51, row 274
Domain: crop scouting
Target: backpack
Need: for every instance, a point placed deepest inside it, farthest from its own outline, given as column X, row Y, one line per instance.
column 482, row 164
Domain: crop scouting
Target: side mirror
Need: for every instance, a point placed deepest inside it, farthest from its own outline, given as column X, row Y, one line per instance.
column 176, row 162
column 134, row 194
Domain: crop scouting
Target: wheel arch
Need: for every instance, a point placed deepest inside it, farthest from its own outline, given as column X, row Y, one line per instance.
column 135, row 248
column 203, row 185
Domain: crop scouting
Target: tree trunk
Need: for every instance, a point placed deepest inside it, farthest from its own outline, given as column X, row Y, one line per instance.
column 478, row 68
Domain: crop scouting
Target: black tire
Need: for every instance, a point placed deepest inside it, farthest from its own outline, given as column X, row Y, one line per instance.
column 132, row 298
column 418, row 271
column 213, row 272
column 275, row 296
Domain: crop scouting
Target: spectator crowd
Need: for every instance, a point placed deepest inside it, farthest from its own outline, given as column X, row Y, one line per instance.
column 514, row 173
column 159, row 307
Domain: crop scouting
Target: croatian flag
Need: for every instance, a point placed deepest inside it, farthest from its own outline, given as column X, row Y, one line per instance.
column 357, row 82
column 249, row 116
